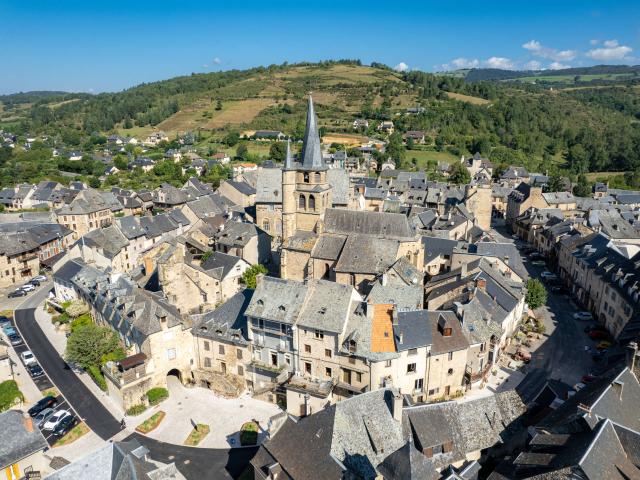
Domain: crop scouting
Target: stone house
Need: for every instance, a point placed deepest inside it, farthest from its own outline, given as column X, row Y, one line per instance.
column 240, row 193
column 18, row 259
column 521, row 199
column 269, row 202
column 244, row 240
column 88, row 211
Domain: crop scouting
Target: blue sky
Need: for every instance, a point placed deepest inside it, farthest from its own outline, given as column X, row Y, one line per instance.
column 95, row 46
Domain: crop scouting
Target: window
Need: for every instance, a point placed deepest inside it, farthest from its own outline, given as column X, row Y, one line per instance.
column 417, row 385
column 265, row 225
column 287, row 359
column 411, row 368
column 307, row 367
column 318, row 177
column 358, row 377
column 327, row 352
column 327, row 372
column 318, row 334
column 207, row 362
column 434, row 391
column 413, row 351
column 221, row 349
column 274, row 359
column 312, row 202
column 387, row 363
column 239, row 354
column 171, row 353
column 240, row 370
column 207, row 346
column 450, row 356
column 283, row 328
column 302, row 203
column 483, row 347
column 307, row 348
column 450, row 371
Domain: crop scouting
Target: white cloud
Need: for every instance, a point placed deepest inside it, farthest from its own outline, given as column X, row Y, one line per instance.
column 465, row 63
column 401, row 67
column 216, row 61
column 558, row 66
column 499, row 62
column 594, row 42
column 539, row 50
column 611, row 51
column 532, row 65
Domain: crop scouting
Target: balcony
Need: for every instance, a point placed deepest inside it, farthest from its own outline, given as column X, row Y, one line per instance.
column 127, row 371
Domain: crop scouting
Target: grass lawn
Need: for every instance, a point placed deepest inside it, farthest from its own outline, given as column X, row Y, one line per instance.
column 74, row 434
column 151, row 423
column 249, row 434
column 53, row 391
column 423, row 156
column 468, row 98
column 196, row 436
column 593, row 176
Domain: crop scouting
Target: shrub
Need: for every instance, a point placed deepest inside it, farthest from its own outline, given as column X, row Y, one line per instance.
column 84, row 319
column 9, row 394
column 249, row 434
column 136, row 410
column 76, row 308
column 157, row 395
column 96, row 374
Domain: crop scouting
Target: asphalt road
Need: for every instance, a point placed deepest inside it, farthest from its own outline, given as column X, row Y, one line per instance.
column 199, row 463
column 87, row 407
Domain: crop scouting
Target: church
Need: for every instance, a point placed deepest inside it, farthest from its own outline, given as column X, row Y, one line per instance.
column 324, row 242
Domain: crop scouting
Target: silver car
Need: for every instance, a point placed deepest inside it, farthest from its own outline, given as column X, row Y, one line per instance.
column 43, row 416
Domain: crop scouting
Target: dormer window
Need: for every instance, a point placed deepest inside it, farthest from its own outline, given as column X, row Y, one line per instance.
column 352, row 346
column 281, row 308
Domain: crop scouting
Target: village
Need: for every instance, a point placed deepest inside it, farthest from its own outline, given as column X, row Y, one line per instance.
column 404, row 327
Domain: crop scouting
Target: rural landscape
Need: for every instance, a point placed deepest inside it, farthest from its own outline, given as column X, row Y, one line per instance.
column 238, row 242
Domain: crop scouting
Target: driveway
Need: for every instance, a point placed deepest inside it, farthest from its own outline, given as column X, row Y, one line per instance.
column 72, row 389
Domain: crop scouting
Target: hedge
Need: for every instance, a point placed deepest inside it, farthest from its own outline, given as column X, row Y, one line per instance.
column 249, row 434
column 97, row 376
column 9, row 393
column 136, row 410
column 157, row 395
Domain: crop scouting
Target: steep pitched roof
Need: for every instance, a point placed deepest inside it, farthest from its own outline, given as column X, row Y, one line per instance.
column 20, row 438
column 381, row 225
column 311, row 151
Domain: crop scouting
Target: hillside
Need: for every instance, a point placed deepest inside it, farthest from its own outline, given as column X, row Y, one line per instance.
column 577, row 129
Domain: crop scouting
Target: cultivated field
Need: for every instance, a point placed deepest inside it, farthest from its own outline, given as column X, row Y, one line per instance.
column 468, row 98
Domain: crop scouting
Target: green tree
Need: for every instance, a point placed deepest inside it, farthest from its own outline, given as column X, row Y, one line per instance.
column 395, row 149
column 231, row 139
column 88, row 344
column 250, row 274
column 459, row 174
column 218, row 105
column 536, row 293
column 94, row 182
column 410, row 143
column 120, row 162
column 556, row 183
column 582, row 188
column 242, row 151
column 277, row 151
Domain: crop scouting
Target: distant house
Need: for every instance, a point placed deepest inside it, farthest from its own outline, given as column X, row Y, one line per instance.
column 146, row 164
column 359, row 123
column 111, row 170
column 173, row 154
column 416, row 110
column 155, row 138
column 386, row 127
column 269, row 135
column 222, row 158
column 240, row 193
column 416, row 135
column 74, row 155
column 240, row 168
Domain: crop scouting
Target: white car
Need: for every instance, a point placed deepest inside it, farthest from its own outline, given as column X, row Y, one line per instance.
column 28, row 287
column 40, row 278
column 54, row 419
column 583, row 316
column 547, row 273
column 43, row 416
column 28, row 357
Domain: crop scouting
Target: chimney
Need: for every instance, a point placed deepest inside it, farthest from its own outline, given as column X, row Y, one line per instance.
column 481, row 283
column 273, row 471
column 163, row 322
column 463, row 270
column 397, row 406
column 384, row 279
column 632, row 351
column 27, row 422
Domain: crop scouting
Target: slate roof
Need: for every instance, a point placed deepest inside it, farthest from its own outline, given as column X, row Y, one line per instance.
column 130, row 227
column 507, row 252
column 220, row 264
column 435, row 247
column 413, row 330
column 17, row 441
column 86, row 201
column 380, row 225
column 237, row 233
column 407, row 463
column 242, row 187
column 405, row 297
column 367, row 254
column 269, row 185
column 17, row 243
column 69, row 270
column 440, row 343
column 311, row 154
column 560, row 198
column 228, row 321
column 328, row 247
column 278, row 300
column 108, row 239
column 339, row 181
column 209, row 205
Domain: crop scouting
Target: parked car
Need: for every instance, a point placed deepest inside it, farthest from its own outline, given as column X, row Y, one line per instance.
column 603, row 345
column 587, row 378
column 598, row 335
column 15, row 339
column 17, row 293
column 46, row 402
column 55, row 419
column 28, row 357
column 4, row 321
column 539, row 263
column 35, row 370
column 535, row 255
column 550, row 279
column 546, row 274
column 579, row 386
column 583, row 316
column 66, row 424
column 9, row 330
column 27, row 287
column 559, row 289
column 34, row 282
column 43, row 416
column 40, row 278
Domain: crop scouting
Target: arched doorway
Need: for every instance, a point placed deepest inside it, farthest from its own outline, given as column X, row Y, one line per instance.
column 174, row 380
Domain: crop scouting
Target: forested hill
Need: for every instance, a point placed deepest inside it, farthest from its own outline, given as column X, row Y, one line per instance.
column 578, row 126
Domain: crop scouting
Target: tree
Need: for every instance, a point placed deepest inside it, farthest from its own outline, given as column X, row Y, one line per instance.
column 277, row 151
column 94, row 182
column 120, row 162
column 582, row 188
column 459, row 174
column 218, row 105
column 88, row 344
column 556, row 183
column 410, row 143
column 242, row 151
column 536, row 294
column 250, row 274
column 231, row 139
column 395, row 148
